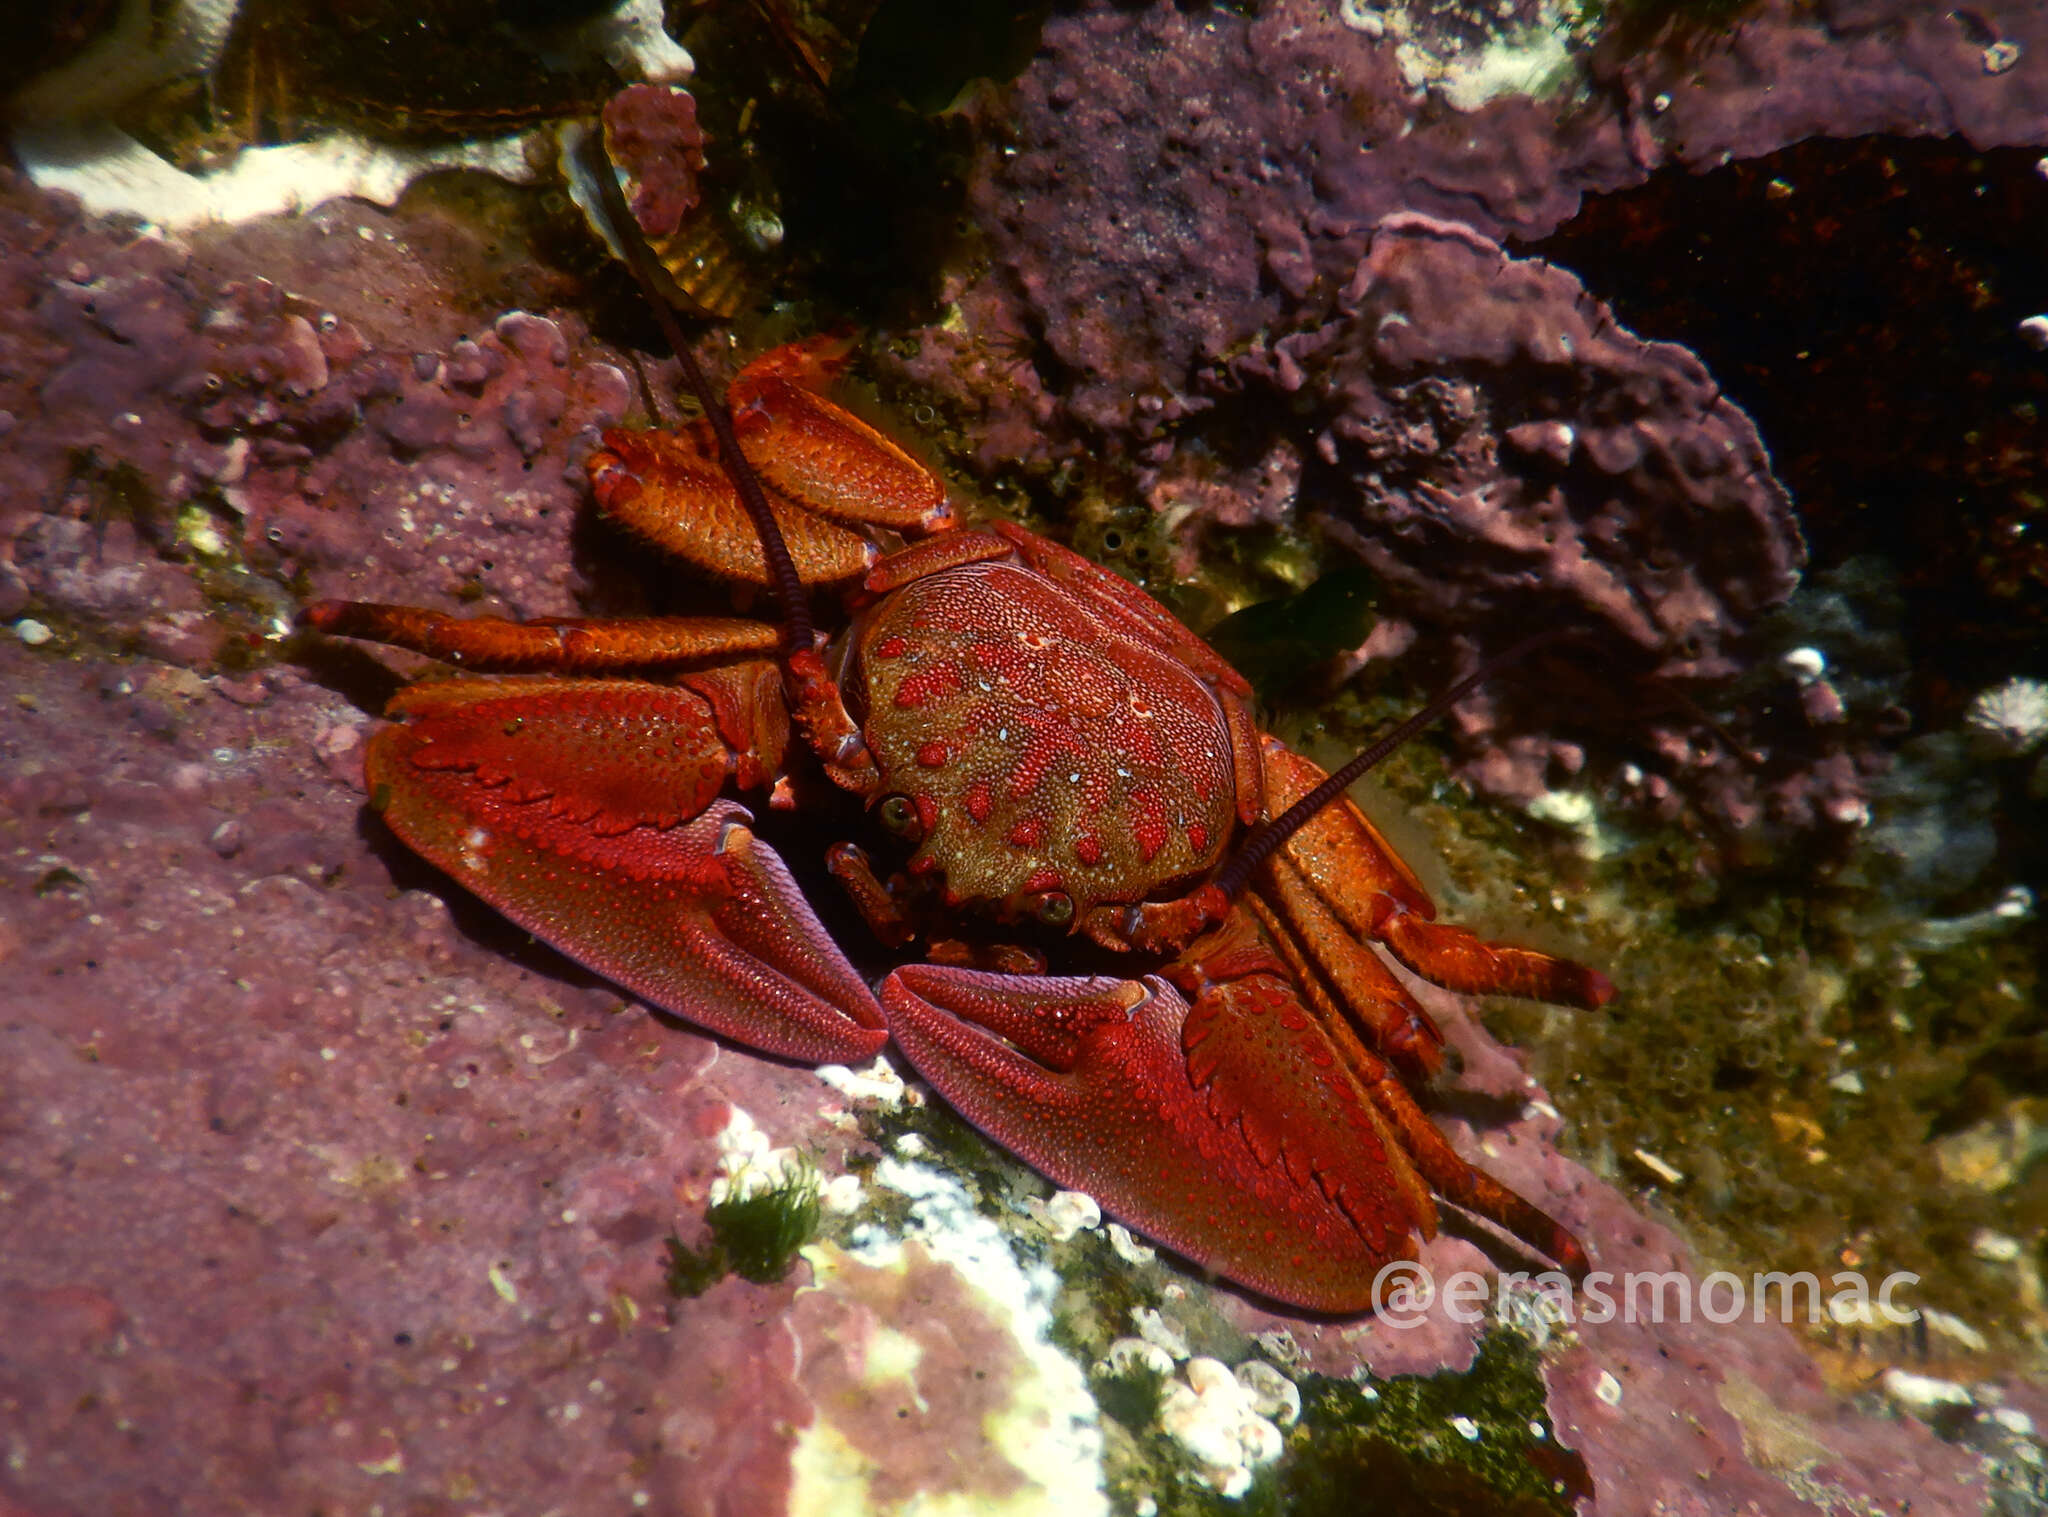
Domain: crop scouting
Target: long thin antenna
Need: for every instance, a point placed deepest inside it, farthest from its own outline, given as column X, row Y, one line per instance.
column 1232, row 878
column 789, row 585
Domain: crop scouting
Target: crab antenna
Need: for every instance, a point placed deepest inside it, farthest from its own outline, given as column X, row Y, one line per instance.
column 1235, row 875
column 789, row 585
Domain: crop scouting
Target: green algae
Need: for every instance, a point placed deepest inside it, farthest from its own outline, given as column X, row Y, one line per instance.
column 1475, row 1442
column 1786, row 1043
column 756, row 1232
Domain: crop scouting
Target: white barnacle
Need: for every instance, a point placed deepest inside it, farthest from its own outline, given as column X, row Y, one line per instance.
column 1273, row 1395
column 1925, row 1393
column 1067, row 1212
column 1125, row 1245
column 1805, row 665
column 1128, row 1354
column 1224, row 1420
column 877, row 1085
column 2011, row 718
column 1155, row 1328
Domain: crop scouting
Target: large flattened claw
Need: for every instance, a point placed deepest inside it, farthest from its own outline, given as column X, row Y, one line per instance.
column 696, row 916
column 1085, row 1079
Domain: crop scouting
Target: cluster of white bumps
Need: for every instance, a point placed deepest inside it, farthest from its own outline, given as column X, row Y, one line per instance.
column 1228, row 1421
column 2012, row 717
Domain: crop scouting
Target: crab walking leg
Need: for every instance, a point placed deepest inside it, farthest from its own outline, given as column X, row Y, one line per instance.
column 1339, row 843
column 1306, row 931
column 1374, row 893
column 814, row 452
column 569, row 645
column 1459, row 959
column 669, row 490
column 1085, row 1079
column 1465, row 1187
column 586, row 812
column 823, row 471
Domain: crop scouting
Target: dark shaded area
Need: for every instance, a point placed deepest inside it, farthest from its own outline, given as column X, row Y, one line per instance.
column 840, row 114
column 1630, row 27
column 925, row 52
column 398, row 69
column 1277, row 643
column 40, row 36
column 1861, row 300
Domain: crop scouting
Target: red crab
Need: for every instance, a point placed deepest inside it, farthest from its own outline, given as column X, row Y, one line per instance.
column 1046, row 753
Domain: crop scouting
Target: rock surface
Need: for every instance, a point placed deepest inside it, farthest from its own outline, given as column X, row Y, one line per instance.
column 323, row 1187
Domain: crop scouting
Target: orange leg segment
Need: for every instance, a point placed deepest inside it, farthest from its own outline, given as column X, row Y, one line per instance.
column 809, row 450
column 1357, row 875
column 1389, row 1015
column 1471, row 1189
column 1460, row 960
column 556, row 644
column 668, row 489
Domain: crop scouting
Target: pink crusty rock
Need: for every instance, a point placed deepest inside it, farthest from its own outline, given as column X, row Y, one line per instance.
column 1504, row 435
column 1162, row 184
column 326, row 1186
column 651, row 134
column 1503, row 454
column 139, row 378
column 1177, row 201
column 320, row 1193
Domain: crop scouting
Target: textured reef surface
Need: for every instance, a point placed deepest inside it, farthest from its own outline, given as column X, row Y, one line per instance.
column 1188, row 216
column 322, row 1188
column 326, row 1189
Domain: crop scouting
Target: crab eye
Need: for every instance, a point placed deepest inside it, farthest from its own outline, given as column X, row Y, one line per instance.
column 899, row 815
column 1055, row 908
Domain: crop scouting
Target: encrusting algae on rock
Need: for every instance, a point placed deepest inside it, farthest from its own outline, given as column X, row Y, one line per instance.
column 403, row 1107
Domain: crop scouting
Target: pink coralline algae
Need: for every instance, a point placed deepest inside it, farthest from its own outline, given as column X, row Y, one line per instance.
column 140, row 381
column 1503, row 454
column 1195, row 215
column 1164, row 184
column 650, row 132
column 1844, row 68
column 327, row 1188
column 321, row 1194
column 1494, row 421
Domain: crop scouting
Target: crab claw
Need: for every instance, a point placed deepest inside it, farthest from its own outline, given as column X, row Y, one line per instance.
column 524, row 800
column 1086, row 1080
